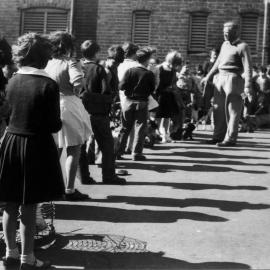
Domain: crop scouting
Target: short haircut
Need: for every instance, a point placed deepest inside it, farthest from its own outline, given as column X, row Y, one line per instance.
column 117, row 53
column 62, row 43
column 32, row 50
column 174, row 58
column 89, row 49
column 130, row 49
column 144, row 54
column 232, row 24
column 5, row 52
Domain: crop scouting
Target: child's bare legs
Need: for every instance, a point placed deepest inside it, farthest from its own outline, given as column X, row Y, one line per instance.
column 27, row 232
column 71, row 165
column 28, row 228
column 164, row 129
column 10, row 216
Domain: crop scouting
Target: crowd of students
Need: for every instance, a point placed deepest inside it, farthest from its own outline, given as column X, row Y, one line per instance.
column 52, row 101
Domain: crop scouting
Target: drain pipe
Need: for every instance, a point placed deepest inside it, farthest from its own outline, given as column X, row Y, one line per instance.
column 265, row 26
column 71, row 28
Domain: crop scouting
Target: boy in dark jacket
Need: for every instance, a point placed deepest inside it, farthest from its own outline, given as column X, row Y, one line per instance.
column 97, row 98
column 138, row 84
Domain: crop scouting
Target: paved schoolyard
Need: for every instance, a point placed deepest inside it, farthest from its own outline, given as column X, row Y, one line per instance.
column 189, row 206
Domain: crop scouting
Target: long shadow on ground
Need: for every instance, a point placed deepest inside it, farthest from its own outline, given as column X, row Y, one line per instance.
column 203, row 147
column 198, row 154
column 60, row 254
column 164, row 168
column 117, row 215
column 248, row 145
column 207, row 155
column 255, row 146
column 197, row 186
column 206, row 161
column 230, row 206
column 243, row 140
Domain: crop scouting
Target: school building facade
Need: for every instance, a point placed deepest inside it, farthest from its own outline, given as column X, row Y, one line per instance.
column 191, row 26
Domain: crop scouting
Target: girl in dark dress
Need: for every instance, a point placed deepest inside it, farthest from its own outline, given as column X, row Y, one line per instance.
column 30, row 171
column 165, row 80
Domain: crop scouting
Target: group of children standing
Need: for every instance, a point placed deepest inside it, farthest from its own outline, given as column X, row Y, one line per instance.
column 55, row 102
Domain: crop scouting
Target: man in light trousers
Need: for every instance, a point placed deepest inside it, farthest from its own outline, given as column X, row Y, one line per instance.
column 233, row 79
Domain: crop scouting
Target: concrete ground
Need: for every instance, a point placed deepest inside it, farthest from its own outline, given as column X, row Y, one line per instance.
column 189, row 206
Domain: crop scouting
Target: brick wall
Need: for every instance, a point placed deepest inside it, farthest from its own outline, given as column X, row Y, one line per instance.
column 170, row 22
column 110, row 21
column 9, row 19
column 10, row 14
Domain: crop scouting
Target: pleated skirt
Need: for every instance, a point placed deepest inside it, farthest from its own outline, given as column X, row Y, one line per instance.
column 30, row 170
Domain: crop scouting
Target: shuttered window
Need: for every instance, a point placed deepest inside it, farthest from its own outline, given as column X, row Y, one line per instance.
column 141, row 27
column 198, row 32
column 44, row 20
column 250, row 30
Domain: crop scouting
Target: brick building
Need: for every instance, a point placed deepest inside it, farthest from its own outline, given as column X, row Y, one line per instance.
column 191, row 26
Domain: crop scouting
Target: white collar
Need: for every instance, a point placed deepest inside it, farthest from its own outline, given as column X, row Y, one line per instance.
column 33, row 71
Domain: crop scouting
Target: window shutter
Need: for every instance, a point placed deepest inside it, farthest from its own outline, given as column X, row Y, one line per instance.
column 44, row 20
column 198, row 32
column 57, row 21
column 249, row 30
column 141, row 27
column 33, row 22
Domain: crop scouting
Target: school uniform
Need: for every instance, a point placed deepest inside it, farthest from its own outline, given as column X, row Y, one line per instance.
column 30, row 171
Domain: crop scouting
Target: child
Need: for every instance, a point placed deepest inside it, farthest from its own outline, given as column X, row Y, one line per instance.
column 97, row 99
column 188, row 89
column 31, row 172
column 138, row 84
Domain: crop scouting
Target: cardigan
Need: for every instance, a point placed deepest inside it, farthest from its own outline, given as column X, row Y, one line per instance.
column 34, row 105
